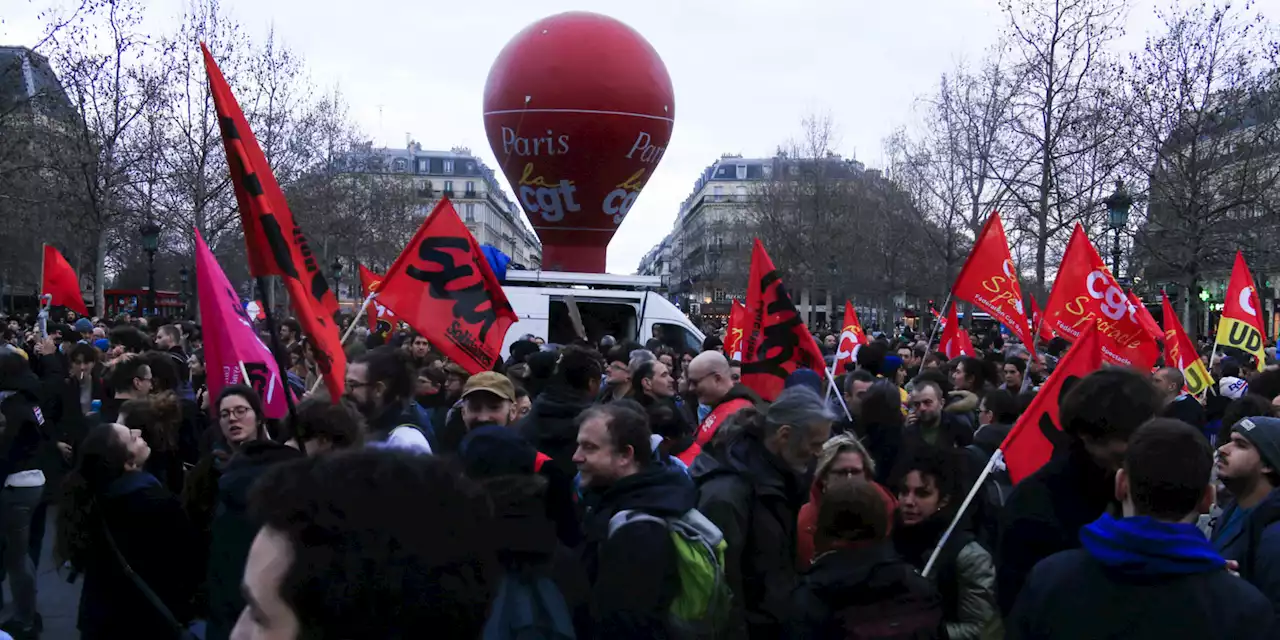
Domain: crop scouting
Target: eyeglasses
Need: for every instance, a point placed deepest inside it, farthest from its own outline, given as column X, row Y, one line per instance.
column 846, row 473
column 238, row 412
column 353, row 384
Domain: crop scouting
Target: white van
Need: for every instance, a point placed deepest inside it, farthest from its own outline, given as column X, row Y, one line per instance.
column 559, row 306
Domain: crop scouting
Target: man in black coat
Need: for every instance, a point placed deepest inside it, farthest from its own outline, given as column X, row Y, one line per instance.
column 1098, row 413
column 1151, row 574
column 629, row 556
column 550, row 425
column 750, row 485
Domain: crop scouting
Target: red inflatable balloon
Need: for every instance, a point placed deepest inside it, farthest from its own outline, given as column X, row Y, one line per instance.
column 578, row 108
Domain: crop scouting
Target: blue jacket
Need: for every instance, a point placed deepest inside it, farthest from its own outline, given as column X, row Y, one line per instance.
column 1138, row 579
column 1260, row 565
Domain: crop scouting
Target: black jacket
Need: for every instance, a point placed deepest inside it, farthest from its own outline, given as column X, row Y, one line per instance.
column 754, row 498
column 156, row 539
column 846, row 583
column 1072, row 595
column 231, row 531
column 550, row 424
column 1044, row 514
column 65, row 417
column 1186, row 409
column 26, row 428
column 633, row 574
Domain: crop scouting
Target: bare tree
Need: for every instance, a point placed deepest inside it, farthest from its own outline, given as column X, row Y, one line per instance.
column 1207, row 142
column 103, row 70
column 834, row 226
column 1061, row 47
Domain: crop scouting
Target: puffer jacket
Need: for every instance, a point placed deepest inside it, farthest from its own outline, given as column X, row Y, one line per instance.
column 964, row 574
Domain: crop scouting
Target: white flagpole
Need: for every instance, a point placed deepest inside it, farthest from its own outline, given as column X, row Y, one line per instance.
column 832, row 387
column 964, row 506
column 347, row 334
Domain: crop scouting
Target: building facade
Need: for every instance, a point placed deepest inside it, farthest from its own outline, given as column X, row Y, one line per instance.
column 705, row 260
column 491, row 216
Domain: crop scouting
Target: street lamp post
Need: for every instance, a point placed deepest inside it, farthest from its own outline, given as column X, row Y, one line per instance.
column 150, row 233
column 337, row 279
column 1118, row 205
column 183, row 276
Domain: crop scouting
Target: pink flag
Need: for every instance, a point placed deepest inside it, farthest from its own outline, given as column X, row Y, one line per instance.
column 229, row 338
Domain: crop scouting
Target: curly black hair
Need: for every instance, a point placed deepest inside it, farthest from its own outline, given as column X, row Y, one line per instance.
column 386, row 544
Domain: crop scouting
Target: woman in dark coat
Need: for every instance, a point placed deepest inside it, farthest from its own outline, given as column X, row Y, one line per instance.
column 109, row 493
column 216, row 500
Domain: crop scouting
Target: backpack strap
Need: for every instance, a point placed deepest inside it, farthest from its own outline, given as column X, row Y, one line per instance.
column 628, row 516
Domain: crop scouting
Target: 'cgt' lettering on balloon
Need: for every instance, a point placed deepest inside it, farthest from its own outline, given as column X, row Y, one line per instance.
column 550, row 144
column 618, row 202
column 551, row 201
column 585, row 97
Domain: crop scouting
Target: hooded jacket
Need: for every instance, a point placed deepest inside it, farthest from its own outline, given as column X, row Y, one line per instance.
column 231, row 531
column 551, row 426
column 861, row 579
column 1044, row 514
column 1138, row 578
column 633, row 573
column 754, row 498
column 738, row 398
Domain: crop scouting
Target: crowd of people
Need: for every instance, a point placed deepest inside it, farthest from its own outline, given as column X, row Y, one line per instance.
column 626, row 490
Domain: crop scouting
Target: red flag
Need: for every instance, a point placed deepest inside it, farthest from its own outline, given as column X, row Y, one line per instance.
column 276, row 246
column 955, row 340
column 1145, row 318
column 1241, row 323
column 1038, row 325
column 1084, row 293
column 1180, row 352
column 733, row 333
column 381, row 318
column 1037, row 434
column 851, row 338
column 777, row 342
column 442, row 285
column 58, row 280
column 990, row 281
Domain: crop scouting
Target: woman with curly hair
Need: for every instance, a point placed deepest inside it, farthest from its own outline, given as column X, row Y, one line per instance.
column 113, row 512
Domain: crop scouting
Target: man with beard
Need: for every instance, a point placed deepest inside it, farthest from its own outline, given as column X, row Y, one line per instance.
column 1248, row 531
column 750, row 486
column 419, row 348
column 1044, row 514
column 380, row 387
column 927, row 422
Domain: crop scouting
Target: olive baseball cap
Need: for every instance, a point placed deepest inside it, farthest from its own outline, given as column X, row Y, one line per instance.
column 495, row 383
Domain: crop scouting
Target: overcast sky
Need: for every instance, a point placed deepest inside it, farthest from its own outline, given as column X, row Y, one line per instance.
column 745, row 72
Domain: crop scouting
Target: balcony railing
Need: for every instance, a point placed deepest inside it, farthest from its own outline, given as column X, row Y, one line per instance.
column 448, row 193
column 470, row 193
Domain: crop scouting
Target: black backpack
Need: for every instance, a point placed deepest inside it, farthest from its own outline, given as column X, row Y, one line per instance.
column 913, row 614
column 987, row 505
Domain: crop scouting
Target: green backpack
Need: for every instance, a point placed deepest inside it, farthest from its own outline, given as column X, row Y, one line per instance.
column 701, row 609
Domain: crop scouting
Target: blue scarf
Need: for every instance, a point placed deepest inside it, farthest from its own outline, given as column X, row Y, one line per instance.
column 1143, row 546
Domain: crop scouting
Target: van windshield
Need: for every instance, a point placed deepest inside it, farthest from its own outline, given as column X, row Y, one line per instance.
column 677, row 337
column 599, row 319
